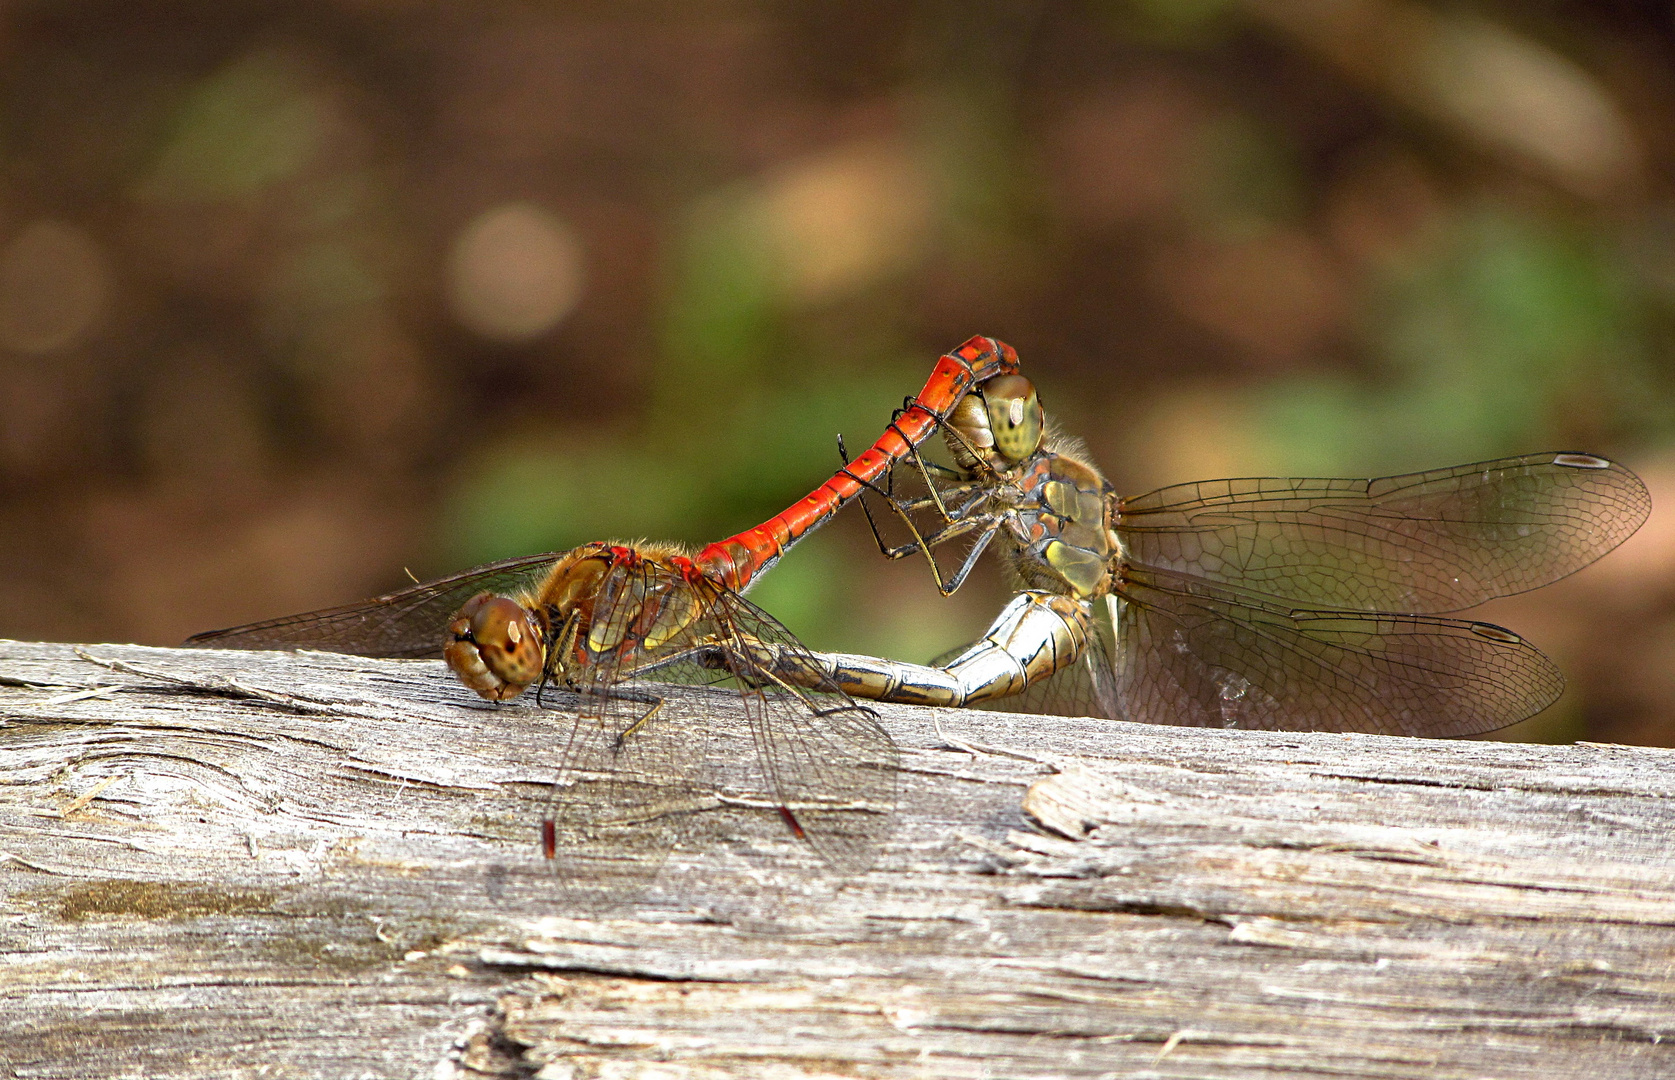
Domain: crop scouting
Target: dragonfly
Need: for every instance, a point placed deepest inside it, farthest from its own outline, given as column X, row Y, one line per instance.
column 1266, row 603
column 600, row 620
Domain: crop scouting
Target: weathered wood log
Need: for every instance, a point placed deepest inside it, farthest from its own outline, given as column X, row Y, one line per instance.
column 242, row 864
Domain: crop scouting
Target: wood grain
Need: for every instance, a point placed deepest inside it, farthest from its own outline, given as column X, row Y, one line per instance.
column 270, row 864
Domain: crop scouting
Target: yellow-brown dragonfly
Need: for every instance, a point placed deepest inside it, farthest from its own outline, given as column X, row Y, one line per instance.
column 1290, row 604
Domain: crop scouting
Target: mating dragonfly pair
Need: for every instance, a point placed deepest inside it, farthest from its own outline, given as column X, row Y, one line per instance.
column 1253, row 603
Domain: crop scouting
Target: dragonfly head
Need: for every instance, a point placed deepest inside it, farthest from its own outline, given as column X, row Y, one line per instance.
column 496, row 647
column 1002, row 419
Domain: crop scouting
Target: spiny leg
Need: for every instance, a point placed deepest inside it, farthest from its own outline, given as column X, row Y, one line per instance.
column 643, row 719
column 971, row 557
column 955, row 526
column 927, row 470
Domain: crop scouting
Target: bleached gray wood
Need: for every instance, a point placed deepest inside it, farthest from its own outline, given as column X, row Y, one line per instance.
column 264, row 864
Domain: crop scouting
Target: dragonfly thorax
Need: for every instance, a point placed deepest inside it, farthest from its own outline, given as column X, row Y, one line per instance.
column 1061, row 533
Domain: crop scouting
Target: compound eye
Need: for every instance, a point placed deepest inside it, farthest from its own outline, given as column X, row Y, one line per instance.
column 1015, row 416
column 495, row 647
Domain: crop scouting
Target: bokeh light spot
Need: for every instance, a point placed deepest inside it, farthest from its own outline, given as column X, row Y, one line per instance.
column 54, row 286
column 836, row 222
column 250, row 126
column 516, row 271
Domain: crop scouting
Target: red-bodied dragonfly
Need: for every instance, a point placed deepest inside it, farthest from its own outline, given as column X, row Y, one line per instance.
column 600, row 618
column 1282, row 604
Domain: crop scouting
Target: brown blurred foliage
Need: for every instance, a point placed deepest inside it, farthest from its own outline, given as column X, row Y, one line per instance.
column 293, row 297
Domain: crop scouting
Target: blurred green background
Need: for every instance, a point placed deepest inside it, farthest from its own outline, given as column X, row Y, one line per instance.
column 294, row 297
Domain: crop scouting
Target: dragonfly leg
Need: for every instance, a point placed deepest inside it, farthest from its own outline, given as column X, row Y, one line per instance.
column 953, row 530
column 957, row 526
column 888, row 494
column 971, row 557
column 972, row 489
column 988, row 523
column 561, row 639
column 1034, row 637
column 904, row 508
column 926, row 468
column 963, row 522
column 656, row 706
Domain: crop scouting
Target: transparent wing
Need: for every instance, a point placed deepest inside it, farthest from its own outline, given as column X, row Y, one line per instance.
column 627, row 788
column 614, row 818
column 634, row 772
column 827, row 761
column 1432, row 542
column 409, row 622
column 630, row 779
column 1191, row 653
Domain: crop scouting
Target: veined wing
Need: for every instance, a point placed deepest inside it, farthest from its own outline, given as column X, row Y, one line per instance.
column 630, row 776
column 633, row 770
column 409, row 622
column 828, row 763
column 1431, row 542
column 628, row 784
column 1191, row 653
